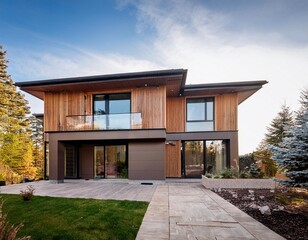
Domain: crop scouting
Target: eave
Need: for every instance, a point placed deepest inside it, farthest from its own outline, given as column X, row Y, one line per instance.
column 244, row 89
column 173, row 79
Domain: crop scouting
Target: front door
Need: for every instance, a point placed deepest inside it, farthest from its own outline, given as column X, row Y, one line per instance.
column 110, row 161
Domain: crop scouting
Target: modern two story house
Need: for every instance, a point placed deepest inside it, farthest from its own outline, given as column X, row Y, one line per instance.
column 141, row 126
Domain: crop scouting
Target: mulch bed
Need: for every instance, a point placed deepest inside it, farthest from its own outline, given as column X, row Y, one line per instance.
column 286, row 219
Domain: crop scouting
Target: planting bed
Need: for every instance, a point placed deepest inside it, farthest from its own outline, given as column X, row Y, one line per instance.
column 288, row 214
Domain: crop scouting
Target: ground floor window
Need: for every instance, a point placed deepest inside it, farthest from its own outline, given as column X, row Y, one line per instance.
column 206, row 156
column 110, row 161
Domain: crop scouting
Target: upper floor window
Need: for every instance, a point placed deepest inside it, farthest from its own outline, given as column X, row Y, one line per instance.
column 112, row 111
column 111, row 103
column 199, row 114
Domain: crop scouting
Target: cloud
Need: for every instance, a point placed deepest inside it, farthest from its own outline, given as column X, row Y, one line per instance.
column 215, row 43
column 188, row 34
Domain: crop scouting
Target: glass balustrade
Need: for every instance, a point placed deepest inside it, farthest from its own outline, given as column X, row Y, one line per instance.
column 104, row 122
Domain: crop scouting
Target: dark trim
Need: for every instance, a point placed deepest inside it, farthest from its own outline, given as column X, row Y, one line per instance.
column 106, row 78
column 225, row 84
column 113, row 130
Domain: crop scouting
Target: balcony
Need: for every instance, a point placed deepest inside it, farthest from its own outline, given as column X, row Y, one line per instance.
column 104, row 122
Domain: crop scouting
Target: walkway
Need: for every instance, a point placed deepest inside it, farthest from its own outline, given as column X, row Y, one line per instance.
column 189, row 211
column 177, row 210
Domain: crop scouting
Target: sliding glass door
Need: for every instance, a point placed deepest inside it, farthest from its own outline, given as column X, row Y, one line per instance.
column 201, row 157
column 110, row 161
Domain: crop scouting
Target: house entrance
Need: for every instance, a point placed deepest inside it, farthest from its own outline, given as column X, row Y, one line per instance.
column 110, row 161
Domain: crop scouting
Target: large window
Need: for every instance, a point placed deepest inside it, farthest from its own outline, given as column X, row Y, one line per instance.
column 200, row 114
column 112, row 111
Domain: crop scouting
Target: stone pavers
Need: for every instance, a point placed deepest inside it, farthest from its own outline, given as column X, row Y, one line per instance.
column 176, row 211
column 197, row 213
column 96, row 189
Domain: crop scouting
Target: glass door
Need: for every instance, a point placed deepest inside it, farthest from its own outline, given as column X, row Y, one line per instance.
column 110, row 161
column 70, row 160
column 99, row 161
column 193, row 159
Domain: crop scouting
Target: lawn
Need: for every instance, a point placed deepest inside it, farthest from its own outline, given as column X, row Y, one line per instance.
column 67, row 218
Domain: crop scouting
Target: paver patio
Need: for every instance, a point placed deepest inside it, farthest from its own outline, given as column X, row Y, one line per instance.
column 176, row 211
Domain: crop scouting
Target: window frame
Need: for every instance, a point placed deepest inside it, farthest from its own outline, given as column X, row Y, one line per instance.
column 205, row 101
column 107, row 102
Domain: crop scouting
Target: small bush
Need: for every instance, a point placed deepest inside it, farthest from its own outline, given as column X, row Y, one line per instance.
column 255, row 171
column 229, row 173
column 6, row 231
column 208, row 175
column 244, row 175
column 27, row 194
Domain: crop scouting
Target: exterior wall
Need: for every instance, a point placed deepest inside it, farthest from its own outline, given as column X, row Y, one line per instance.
column 86, row 161
column 226, row 112
column 151, row 102
column 146, row 160
column 173, row 159
column 176, row 114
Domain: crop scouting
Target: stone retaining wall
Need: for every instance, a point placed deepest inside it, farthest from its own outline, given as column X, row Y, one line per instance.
column 211, row 183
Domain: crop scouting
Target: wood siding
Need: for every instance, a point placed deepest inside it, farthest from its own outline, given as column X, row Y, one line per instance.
column 176, row 114
column 173, row 160
column 226, row 112
column 151, row 102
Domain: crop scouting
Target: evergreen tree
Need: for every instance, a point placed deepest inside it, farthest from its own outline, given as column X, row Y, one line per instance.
column 292, row 154
column 278, row 127
column 15, row 133
column 275, row 133
column 38, row 145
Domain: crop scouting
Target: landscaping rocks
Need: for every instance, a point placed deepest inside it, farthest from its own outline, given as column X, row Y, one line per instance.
column 288, row 221
column 265, row 210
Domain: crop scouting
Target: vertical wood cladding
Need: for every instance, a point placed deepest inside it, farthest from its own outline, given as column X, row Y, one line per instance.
column 176, row 114
column 151, row 102
column 226, row 112
column 173, row 160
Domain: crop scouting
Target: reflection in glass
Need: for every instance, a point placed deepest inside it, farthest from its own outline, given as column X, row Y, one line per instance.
column 216, row 157
column 194, row 159
column 99, row 163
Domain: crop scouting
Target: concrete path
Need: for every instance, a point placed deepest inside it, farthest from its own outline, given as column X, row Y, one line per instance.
column 96, row 189
column 189, row 211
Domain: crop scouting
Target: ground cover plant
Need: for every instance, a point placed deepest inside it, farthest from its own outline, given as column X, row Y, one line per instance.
column 67, row 218
column 287, row 212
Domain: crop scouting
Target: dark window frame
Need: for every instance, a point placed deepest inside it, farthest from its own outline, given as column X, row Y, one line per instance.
column 107, row 102
column 205, row 100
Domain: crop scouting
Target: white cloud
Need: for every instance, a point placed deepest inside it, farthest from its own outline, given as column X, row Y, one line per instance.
column 186, row 34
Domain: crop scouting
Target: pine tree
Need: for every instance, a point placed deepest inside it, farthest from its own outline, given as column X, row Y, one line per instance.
column 15, row 133
column 38, row 145
column 275, row 133
column 292, row 154
column 279, row 125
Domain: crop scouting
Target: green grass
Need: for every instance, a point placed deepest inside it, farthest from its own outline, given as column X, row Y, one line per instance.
column 67, row 218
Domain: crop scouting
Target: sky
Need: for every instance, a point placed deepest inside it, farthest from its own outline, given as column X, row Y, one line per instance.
column 216, row 40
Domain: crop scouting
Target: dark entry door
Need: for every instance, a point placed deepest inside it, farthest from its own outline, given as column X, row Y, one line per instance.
column 71, row 161
column 193, row 159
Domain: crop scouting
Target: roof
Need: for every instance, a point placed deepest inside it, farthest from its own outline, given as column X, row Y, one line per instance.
column 244, row 89
column 174, row 79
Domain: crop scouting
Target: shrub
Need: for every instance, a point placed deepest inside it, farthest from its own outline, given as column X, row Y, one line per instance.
column 6, row 231
column 246, row 160
column 244, row 174
column 208, row 175
column 229, row 173
column 255, row 171
column 27, row 194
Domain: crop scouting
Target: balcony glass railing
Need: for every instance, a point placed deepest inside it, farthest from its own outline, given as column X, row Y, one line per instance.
column 104, row 122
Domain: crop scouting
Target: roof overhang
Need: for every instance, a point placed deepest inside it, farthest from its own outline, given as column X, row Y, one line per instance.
column 173, row 79
column 243, row 89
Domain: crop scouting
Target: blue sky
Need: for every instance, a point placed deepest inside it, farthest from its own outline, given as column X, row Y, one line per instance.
column 216, row 40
